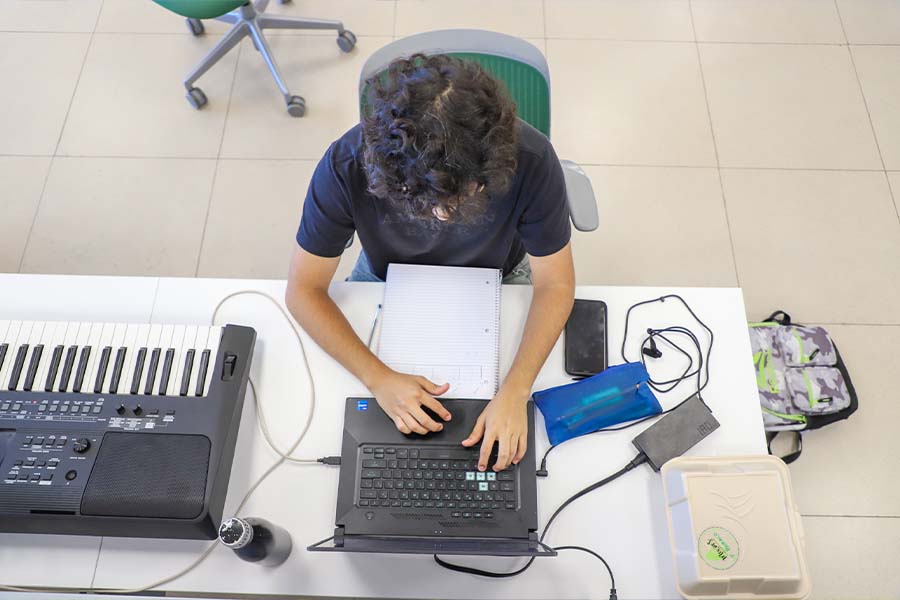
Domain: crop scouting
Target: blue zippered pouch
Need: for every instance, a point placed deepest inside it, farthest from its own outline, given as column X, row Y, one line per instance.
column 618, row 394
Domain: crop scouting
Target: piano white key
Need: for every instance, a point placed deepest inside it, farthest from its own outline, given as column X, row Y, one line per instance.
column 12, row 335
column 4, row 354
column 87, row 384
column 22, row 331
column 12, row 338
column 215, row 336
column 130, row 342
column 140, row 341
column 59, row 339
column 82, row 340
column 117, row 341
column 199, row 347
column 178, row 362
column 33, row 340
column 188, row 343
column 152, row 343
column 71, row 340
column 51, row 332
column 165, row 342
column 104, row 341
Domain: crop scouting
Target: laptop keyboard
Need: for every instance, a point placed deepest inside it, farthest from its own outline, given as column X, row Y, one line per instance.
column 435, row 478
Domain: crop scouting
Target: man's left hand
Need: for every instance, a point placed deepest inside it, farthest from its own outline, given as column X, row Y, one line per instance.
column 504, row 421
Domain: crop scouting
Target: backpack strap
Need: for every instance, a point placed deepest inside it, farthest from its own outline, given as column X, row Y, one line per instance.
column 790, row 457
column 784, row 319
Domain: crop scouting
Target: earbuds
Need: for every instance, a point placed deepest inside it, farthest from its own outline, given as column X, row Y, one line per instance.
column 653, row 351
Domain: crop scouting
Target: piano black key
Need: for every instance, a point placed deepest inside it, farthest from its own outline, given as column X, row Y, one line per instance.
column 186, row 376
column 3, row 349
column 33, row 367
column 117, row 370
column 67, row 368
column 17, row 367
column 201, row 373
column 166, row 370
column 101, row 369
column 54, row 368
column 82, row 368
column 151, row 371
column 138, row 369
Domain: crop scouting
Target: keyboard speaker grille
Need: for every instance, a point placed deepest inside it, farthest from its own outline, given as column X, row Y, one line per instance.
column 148, row 475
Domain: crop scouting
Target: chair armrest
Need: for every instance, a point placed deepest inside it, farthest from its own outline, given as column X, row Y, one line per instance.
column 580, row 194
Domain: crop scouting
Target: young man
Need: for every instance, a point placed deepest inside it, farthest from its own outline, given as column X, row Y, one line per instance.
column 440, row 171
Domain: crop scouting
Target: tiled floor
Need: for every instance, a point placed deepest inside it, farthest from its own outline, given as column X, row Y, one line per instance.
column 753, row 141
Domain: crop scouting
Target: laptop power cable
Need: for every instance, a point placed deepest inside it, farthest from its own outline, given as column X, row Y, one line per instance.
column 673, row 435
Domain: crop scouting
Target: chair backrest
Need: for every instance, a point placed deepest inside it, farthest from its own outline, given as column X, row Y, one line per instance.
column 201, row 9
column 515, row 62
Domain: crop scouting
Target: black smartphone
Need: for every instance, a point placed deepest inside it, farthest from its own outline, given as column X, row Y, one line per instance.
column 586, row 338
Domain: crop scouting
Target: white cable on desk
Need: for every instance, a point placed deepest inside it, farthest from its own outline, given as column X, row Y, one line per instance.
column 283, row 456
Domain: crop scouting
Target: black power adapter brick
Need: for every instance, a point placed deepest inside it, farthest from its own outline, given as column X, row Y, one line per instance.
column 677, row 432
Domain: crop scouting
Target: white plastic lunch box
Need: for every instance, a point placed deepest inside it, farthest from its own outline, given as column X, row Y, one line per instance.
column 735, row 529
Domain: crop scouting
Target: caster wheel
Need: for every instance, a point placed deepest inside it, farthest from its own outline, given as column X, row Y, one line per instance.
column 195, row 26
column 346, row 40
column 197, row 98
column 296, row 106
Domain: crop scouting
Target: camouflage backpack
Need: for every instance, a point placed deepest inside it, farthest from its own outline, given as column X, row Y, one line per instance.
column 802, row 380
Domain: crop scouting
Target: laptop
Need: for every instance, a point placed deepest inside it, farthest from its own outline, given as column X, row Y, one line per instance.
column 414, row 494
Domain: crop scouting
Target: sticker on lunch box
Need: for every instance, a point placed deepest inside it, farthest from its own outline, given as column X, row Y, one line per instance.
column 718, row 548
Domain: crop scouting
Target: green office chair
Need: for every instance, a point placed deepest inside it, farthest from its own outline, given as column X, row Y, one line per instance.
column 522, row 68
column 249, row 19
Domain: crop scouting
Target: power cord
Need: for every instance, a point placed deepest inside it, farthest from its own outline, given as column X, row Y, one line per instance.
column 612, row 586
column 637, row 461
column 284, row 456
column 649, row 348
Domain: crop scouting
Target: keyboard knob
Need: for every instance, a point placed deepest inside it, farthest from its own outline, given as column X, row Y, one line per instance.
column 81, row 445
column 138, row 411
column 120, row 409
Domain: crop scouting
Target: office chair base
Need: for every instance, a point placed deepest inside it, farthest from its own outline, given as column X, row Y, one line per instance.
column 249, row 21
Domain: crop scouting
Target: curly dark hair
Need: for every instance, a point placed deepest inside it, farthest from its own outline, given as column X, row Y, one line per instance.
column 440, row 137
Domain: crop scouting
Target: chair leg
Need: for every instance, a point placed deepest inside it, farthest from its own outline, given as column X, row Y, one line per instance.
column 279, row 22
column 228, row 42
column 263, row 46
column 261, row 5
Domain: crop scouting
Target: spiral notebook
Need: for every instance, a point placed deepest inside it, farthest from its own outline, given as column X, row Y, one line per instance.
column 443, row 323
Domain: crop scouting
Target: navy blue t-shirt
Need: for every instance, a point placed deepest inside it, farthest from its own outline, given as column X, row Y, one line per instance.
column 532, row 216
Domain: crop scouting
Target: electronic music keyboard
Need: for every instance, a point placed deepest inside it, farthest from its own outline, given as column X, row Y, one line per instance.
column 119, row 429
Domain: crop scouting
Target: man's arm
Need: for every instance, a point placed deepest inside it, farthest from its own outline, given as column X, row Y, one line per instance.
column 401, row 396
column 504, row 420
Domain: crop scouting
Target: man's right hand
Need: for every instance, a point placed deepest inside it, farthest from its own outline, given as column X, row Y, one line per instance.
column 402, row 397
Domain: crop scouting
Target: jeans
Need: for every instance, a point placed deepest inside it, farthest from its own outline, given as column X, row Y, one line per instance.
column 362, row 271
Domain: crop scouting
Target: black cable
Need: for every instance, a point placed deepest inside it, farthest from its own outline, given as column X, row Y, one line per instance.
column 612, row 580
column 637, row 461
column 702, row 371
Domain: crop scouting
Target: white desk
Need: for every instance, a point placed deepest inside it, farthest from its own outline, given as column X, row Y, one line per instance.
column 625, row 521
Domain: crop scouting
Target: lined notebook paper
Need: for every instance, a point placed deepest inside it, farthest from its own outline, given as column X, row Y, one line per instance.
column 444, row 323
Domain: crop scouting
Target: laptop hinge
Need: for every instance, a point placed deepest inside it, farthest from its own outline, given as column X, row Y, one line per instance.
column 339, row 536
